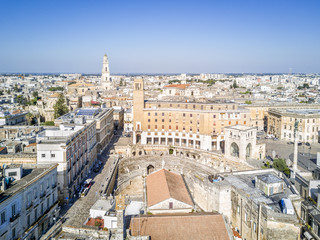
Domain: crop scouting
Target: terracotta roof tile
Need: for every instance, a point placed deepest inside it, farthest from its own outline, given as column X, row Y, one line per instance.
column 184, row 226
column 163, row 185
column 181, row 86
column 32, row 144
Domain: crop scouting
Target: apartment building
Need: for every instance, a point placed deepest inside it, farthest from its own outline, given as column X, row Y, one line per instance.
column 73, row 145
column 187, row 124
column 281, row 124
column 29, row 204
column 104, row 123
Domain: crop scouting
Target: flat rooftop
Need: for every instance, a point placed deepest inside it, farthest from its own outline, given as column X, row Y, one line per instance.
column 29, row 174
column 246, row 184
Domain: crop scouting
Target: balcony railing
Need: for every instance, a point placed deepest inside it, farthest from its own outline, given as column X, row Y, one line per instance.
column 14, row 217
column 42, row 194
column 29, row 205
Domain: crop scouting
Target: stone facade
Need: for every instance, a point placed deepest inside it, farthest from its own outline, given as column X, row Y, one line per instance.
column 186, row 124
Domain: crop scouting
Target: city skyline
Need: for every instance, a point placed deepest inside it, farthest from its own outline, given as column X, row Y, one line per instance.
column 166, row 37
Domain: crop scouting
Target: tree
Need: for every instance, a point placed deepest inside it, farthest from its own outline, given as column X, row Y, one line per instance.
column 60, row 107
column 248, row 102
column 30, row 118
column 280, row 164
column 15, row 88
column 35, row 94
column 21, row 100
column 234, row 85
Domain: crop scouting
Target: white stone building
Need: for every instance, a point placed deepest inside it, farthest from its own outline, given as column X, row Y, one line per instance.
column 29, row 206
column 73, row 147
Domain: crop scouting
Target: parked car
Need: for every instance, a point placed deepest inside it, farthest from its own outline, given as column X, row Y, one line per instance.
column 299, row 143
column 269, row 158
column 86, row 187
column 290, row 142
column 276, row 139
column 307, row 144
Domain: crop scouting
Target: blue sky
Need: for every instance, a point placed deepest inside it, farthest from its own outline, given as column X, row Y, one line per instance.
column 160, row 36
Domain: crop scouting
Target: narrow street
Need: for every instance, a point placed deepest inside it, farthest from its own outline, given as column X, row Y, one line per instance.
column 77, row 211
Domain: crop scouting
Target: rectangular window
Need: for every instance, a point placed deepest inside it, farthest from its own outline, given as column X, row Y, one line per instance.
column 35, row 214
column 3, row 217
column 162, row 114
column 28, row 220
column 53, row 155
column 169, row 126
column 254, row 227
column 170, row 205
column 148, row 126
column 177, row 127
column 148, row 114
column 11, row 174
column 162, row 126
column 13, row 210
column 184, row 115
column 13, row 233
column 156, row 114
column 43, row 155
column 149, row 120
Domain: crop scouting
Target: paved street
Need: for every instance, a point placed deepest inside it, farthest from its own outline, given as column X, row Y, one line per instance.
column 307, row 156
column 77, row 211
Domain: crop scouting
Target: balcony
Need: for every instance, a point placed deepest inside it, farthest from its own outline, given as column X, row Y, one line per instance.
column 42, row 194
column 29, row 206
column 14, row 217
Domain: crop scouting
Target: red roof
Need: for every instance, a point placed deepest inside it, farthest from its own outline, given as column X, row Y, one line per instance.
column 181, row 86
column 206, row 226
column 163, row 185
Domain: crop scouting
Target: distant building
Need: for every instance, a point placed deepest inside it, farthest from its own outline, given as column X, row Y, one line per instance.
column 118, row 116
column 106, row 81
column 281, row 124
column 128, row 120
column 13, row 119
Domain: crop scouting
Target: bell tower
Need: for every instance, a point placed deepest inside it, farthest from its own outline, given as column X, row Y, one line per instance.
column 105, row 76
column 138, row 106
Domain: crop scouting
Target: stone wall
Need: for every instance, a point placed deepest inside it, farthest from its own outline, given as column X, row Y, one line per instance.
column 18, row 159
